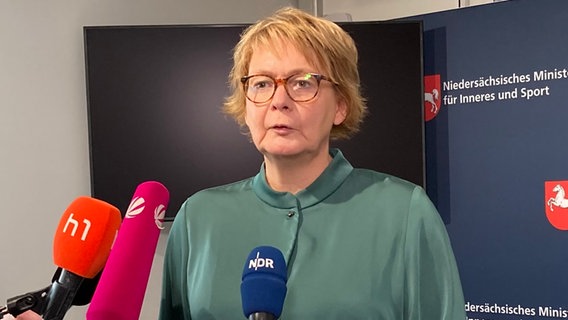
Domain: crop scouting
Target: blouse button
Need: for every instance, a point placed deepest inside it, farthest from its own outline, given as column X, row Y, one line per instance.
column 291, row 214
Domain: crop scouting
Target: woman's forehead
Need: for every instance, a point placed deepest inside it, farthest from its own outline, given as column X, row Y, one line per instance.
column 280, row 48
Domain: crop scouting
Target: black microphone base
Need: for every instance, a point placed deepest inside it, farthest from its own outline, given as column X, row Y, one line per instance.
column 262, row 316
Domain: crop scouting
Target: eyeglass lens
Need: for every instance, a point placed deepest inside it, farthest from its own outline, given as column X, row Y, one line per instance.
column 300, row 87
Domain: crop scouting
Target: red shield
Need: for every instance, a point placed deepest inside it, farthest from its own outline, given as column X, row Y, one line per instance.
column 432, row 96
column 556, row 204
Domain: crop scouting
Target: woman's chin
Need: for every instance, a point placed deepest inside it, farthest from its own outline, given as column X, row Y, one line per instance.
column 281, row 151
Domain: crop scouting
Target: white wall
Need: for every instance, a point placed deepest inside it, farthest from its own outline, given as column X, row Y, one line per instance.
column 44, row 161
column 385, row 9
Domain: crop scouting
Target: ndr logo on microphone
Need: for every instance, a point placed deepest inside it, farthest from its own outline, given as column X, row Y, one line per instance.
column 259, row 262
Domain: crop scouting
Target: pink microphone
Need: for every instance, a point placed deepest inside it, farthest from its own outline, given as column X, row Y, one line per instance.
column 120, row 292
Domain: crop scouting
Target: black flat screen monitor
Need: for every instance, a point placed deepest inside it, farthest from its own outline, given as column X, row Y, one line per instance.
column 154, row 95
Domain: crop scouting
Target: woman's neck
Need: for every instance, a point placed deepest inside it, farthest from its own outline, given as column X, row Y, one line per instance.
column 293, row 174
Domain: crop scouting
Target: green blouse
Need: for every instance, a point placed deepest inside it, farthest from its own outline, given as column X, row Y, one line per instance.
column 358, row 245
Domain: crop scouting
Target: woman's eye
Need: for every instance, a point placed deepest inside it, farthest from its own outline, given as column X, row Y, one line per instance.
column 261, row 84
column 301, row 84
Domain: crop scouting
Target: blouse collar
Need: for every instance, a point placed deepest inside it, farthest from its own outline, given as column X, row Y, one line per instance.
column 330, row 179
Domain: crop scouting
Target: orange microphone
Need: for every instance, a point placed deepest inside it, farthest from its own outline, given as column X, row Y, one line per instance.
column 81, row 246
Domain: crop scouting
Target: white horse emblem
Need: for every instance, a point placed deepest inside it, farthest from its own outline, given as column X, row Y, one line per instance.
column 559, row 200
column 432, row 97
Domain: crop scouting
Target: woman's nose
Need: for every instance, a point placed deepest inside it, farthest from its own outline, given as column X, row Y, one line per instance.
column 281, row 99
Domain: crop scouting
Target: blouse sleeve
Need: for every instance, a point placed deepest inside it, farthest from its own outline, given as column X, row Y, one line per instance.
column 174, row 303
column 432, row 283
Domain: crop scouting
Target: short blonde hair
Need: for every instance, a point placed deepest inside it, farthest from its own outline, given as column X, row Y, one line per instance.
column 324, row 44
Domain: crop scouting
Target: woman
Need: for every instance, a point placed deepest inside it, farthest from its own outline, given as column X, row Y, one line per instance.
column 358, row 244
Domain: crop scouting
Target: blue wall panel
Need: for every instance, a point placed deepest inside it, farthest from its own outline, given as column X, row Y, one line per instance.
column 488, row 161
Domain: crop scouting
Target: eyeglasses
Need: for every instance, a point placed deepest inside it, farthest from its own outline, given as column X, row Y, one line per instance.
column 301, row 87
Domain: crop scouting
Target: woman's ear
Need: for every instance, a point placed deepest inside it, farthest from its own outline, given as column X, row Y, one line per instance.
column 340, row 112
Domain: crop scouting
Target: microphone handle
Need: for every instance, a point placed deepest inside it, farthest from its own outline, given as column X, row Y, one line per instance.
column 262, row 316
column 61, row 295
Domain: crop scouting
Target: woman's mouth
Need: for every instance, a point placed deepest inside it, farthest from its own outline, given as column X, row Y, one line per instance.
column 281, row 129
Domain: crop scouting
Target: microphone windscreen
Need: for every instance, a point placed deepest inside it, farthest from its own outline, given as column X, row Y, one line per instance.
column 120, row 292
column 263, row 287
column 85, row 235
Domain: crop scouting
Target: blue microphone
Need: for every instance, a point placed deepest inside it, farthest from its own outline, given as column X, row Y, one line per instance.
column 263, row 286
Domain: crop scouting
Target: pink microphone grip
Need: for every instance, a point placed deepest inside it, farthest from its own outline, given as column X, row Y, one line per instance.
column 120, row 292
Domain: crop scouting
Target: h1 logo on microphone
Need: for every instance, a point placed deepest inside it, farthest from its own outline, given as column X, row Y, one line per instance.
column 556, row 203
column 75, row 225
column 259, row 262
